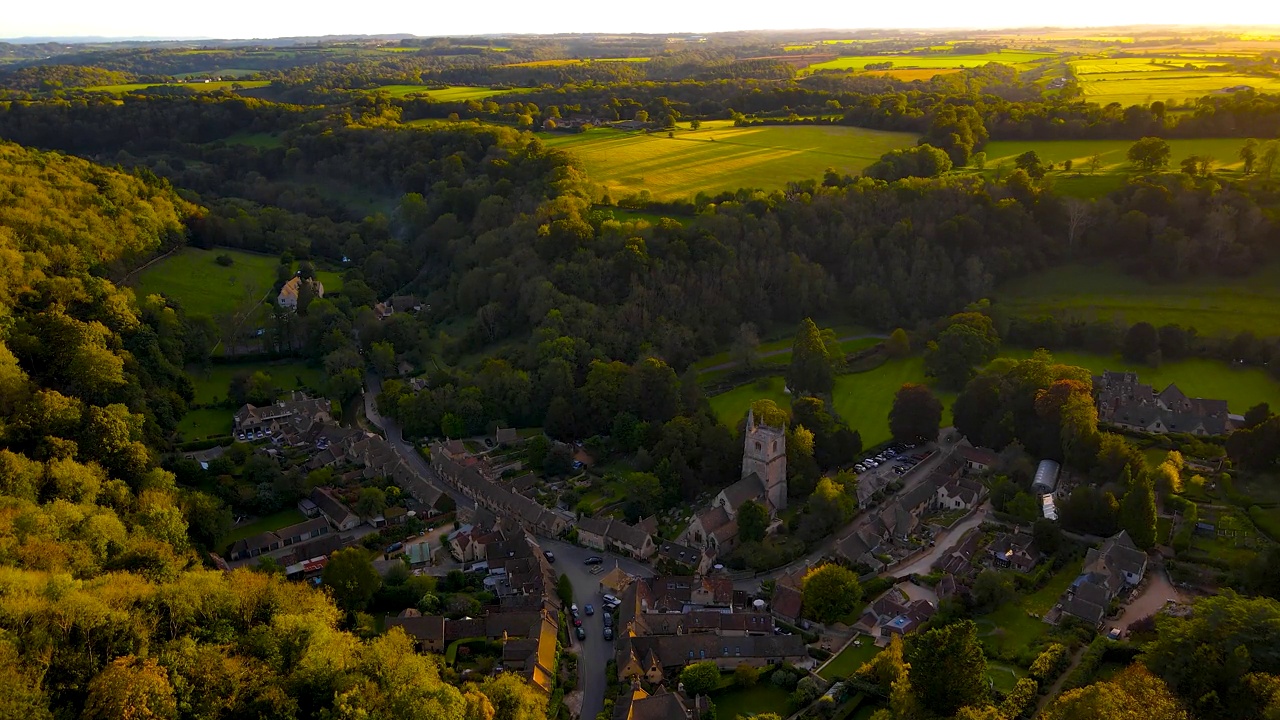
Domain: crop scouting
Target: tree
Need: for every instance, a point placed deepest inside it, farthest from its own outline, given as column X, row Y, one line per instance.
column 1249, row 155
column 1257, row 415
column 351, row 578
column 131, row 689
column 700, row 678
column 1134, row 693
column 753, row 521
column 1095, row 163
column 993, row 588
column 1138, row 512
column 898, row 345
column 745, row 676
column 1205, row 656
column 382, row 356
column 746, row 347
column 1029, row 162
column 1047, row 536
column 830, row 592
column 979, row 160
column 695, row 124
column 810, row 371
column 1141, row 343
column 948, row 670
column 1270, row 153
column 916, row 414
column 963, row 346
column 370, row 502
column 921, row 161
column 1149, row 154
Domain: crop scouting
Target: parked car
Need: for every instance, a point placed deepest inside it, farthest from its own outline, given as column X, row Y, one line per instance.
column 608, row 633
column 573, row 609
column 577, row 621
column 593, row 560
column 611, row 602
column 608, row 620
column 860, row 467
column 550, row 556
column 582, row 634
column 590, row 610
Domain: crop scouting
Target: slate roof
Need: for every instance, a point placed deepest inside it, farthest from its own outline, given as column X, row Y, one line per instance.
column 978, row 456
column 679, row 650
column 426, row 628
column 787, row 601
column 750, row 487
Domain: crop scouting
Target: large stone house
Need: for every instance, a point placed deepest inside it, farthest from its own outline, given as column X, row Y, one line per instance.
column 297, row 414
column 1108, row 571
column 764, row 480
column 266, row 542
column 334, row 510
column 615, row 536
column 1127, row 403
column 475, row 478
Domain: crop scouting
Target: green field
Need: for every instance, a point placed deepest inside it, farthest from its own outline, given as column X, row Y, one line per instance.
column 331, row 280
column 211, row 385
column 284, row 518
column 722, row 157
column 1212, row 305
column 933, row 60
column 1113, row 153
column 862, row 399
column 1003, row 677
column 1142, row 80
column 562, row 62
column 193, row 86
column 194, row 279
column 457, row 93
column 1242, row 388
column 205, row 423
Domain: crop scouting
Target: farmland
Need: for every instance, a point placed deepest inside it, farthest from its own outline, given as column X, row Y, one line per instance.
column 1112, row 152
column 194, row 279
column 453, row 93
column 722, row 157
column 192, row 86
column 931, row 60
column 563, row 62
column 1141, row 80
column 1213, row 306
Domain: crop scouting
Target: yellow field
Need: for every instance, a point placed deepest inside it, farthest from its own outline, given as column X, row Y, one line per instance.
column 1140, row 88
column 1103, row 66
column 940, row 60
column 722, row 157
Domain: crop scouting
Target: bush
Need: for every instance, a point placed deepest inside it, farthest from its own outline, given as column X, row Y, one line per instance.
column 1089, row 662
column 745, row 676
column 1021, row 699
column 784, row 679
column 225, row 260
column 1050, row 664
column 806, row 692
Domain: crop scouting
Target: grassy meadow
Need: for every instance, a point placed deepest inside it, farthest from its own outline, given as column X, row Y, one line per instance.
column 1242, row 388
column 862, row 399
column 563, row 62
column 194, row 279
column 1142, row 80
column 722, row 157
column 932, row 60
column 1212, row 305
column 455, row 93
column 1225, row 151
column 193, row 86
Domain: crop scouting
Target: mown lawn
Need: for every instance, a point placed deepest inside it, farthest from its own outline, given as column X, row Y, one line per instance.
column 212, row 385
column 275, row 521
column 1212, row 305
column 850, row 659
column 1009, row 629
column 765, row 697
column 1003, row 676
column 193, row 278
column 205, row 423
column 331, row 280
column 720, row 157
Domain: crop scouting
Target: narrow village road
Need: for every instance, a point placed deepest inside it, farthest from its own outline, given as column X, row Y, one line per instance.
column 783, row 351
column 406, row 450
column 595, row 652
column 923, row 565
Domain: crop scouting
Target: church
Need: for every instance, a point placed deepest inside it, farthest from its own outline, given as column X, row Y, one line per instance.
column 764, row 480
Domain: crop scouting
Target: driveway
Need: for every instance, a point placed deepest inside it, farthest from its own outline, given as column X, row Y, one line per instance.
column 1152, row 598
column 943, row 544
column 595, row 652
column 406, row 450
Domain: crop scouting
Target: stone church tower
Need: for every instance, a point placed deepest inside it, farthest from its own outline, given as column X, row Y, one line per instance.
column 765, row 454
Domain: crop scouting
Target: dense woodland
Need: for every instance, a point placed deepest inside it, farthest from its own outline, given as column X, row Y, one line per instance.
column 545, row 309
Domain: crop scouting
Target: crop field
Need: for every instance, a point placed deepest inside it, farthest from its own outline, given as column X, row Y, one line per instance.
column 860, row 62
column 192, row 86
column 194, row 279
column 862, row 399
column 454, row 93
column 1242, row 388
column 722, row 157
column 1213, row 306
column 1139, row 88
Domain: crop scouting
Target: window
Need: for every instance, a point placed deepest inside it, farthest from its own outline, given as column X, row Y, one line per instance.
column 758, row 446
